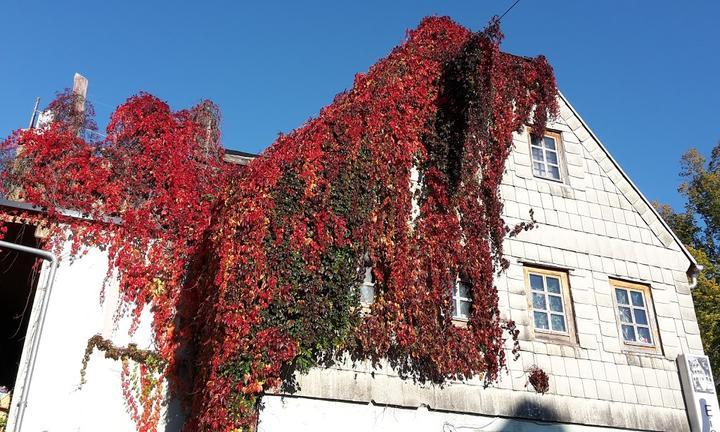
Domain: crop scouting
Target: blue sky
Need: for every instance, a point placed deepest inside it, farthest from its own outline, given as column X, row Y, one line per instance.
column 643, row 74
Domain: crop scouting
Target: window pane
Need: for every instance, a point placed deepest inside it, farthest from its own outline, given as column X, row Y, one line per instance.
column 465, row 309
column 553, row 284
column 643, row 334
column 551, row 157
column 628, row 333
column 640, row 317
column 554, row 172
column 541, row 320
column 539, row 301
column 537, row 154
column 637, row 298
column 538, row 169
column 369, row 279
column 464, row 289
column 367, row 293
column 555, row 303
column 549, row 143
column 557, row 322
column 622, row 296
column 536, row 282
column 625, row 315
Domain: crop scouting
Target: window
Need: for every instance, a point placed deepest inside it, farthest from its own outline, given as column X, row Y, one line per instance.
column 462, row 300
column 550, row 303
column 367, row 288
column 634, row 314
column 545, row 153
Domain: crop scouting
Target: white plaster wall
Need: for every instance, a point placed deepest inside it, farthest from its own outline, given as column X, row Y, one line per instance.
column 314, row 415
column 55, row 401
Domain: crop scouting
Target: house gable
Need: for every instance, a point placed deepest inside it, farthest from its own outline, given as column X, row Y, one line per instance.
column 596, row 226
column 595, row 196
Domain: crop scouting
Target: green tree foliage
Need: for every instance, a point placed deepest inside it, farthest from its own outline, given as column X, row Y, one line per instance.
column 699, row 228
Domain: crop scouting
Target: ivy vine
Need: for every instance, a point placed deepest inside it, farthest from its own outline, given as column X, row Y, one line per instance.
column 252, row 273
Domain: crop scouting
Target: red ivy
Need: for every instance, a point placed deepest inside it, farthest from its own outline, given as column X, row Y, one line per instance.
column 253, row 275
column 304, row 218
column 147, row 193
column 538, row 379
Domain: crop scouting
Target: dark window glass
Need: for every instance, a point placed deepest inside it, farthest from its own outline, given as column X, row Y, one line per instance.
column 628, row 333
column 541, row 320
column 553, row 284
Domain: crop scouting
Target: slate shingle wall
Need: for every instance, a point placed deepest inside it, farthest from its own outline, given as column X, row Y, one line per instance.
column 597, row 227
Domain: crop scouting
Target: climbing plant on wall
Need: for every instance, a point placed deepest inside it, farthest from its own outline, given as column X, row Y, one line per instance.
column 334, row 194
column 145, row 194
column 253, row 274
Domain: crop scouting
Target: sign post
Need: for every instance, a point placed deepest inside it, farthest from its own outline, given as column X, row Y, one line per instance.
column 699, row 393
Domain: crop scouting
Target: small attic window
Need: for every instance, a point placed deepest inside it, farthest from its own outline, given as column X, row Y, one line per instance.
column 545, row 153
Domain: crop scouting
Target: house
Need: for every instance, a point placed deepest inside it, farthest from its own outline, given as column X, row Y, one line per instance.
column 600, row 292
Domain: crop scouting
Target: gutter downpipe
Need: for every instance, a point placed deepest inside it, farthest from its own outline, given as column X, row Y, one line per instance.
column 694, row 272
column 48, row 256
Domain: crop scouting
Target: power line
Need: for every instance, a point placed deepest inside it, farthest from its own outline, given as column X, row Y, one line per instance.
column 508, row 10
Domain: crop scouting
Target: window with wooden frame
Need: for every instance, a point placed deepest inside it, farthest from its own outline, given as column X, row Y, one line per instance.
column 546, row 155
column 550, row 304
column 635, row 315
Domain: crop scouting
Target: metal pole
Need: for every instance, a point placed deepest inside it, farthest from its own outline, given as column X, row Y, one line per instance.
column 34, row 113
column 35, row 342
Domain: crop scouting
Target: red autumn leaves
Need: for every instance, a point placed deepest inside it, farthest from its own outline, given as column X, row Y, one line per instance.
column 252, row 274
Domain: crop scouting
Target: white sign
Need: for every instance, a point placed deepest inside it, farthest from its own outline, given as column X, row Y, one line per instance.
column 699, row 392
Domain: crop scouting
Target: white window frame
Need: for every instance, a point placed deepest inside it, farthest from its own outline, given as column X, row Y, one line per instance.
column 367, row 286
column 458, row 300
column 536, row 145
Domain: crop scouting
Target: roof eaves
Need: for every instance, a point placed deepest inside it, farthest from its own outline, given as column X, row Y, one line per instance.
column 238, row 157
column 241, row 153
column 19, row 205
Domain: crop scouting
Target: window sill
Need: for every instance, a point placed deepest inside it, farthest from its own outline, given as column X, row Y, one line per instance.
column 553, row 337
column 550, row 179
column 362, row 309
column 552, row 333
column 631, row 348
column 460, row 322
